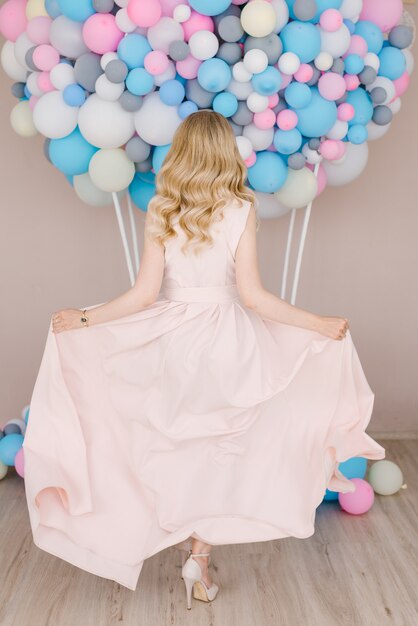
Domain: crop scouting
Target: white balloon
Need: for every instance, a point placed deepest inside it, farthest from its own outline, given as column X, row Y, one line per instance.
column 258, row 18
column 261, row 139
column 163, row 33
column 10, row 64
column 203, row 45
column 376, row 131
column 355, row 161
column 107, row 90
column 87, row 191
column 351, row 9
column 182, row 12
column 255, row 61
column 370, row 58
column 106, row 58
column 110, row 169
column 240, row 90
column 67, row 37
column 22, row 45
column 168, row 74
column 288, row 63
column 62, row 75
column 257, row 103
column 53, row 117
column 299, row 188
column 395, row 105
column 282, row 14
column 21, row 119
column 240, row 73
column 410, row 63
column 323, row 61
column 105, row 124
column 338, row 131
column 245, row 147
column 336, row 42
column 388, row 86
column 122, row 3
column 124, row 22
column 312, row 156
column 32, row 84
column 156, row 122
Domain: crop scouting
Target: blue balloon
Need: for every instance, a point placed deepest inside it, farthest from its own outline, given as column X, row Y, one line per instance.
column 267, row 82
column 186, row 108
column 26, row 415
column 139, row 81
column 26, row 92
column 71, row 154
column 78, row 11
column 214, row 75
column 392, row 62
column 9, row 447
column 318, row 117
column 357, row 133
column 363, row 106
column 302, row 38
column 353, row 64
column 297, row 95
column 371, row 33
column 74, row 95
column 172, row 92
column 158, row 156
column 146, row 177
column 350, row 25
column 210, row 7
column 70, row 179
column 321, row 6
column 287, row 141
column 132, row 49
column 268, row 173
column 225, row 103
column 141, row 192
column 52, row 8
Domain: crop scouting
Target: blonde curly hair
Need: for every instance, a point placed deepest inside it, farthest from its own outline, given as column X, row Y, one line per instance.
column 202, row 172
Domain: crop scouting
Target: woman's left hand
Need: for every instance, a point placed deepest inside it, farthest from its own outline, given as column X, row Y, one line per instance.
column 66, row 319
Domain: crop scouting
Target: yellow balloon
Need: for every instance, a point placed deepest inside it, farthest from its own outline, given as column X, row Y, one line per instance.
column 299, row 188
column 21, row 119
column 34, row 8
column 258, row 18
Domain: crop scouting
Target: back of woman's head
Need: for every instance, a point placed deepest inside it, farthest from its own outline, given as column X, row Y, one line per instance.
column 202, row 171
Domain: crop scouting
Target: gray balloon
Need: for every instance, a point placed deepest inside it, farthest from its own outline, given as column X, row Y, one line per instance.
column 401, row 36
column 46, row 149
column 29, row 59
column 382, row 115
column 178, row 50
column 243, row 116
column 103, row 6
column 87, row 70
column 338, row 66
column 230, row 29
column 196, row 93
column 342, row 99
column 1, row 434
column 315, row 76
column 18, row 90
column 305, row 9
column 236, row 128
column 144, row 166
column 137, row 149
column 130, row 102
column 271, row 45
column 10, row 429
column 231, row 53
column 231, row 10
column 280, row 106
column 367, row 75
column 378, row 95
column 116, row 71
column 296, row 161
column 314, row 143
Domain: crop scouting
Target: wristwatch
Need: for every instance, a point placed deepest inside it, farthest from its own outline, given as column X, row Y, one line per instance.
column 84, row 318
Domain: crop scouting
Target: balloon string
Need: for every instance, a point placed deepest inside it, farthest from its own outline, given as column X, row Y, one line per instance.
column 123, row 237
column 287, row 254
column 133, row 232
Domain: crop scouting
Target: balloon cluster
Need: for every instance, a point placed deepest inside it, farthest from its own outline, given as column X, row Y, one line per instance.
column 301, row 82
column 11, row 440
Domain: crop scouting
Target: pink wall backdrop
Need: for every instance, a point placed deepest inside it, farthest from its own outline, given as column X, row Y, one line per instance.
column 360, row 261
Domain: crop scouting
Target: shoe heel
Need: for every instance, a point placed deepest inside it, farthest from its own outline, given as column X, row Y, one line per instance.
column 189, row 582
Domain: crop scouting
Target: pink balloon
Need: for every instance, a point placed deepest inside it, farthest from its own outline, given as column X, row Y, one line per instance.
column 38, row 29
column 331, row 20
column 13, row 19
column 45, row 57
column 264, row 120
column 273, row 100
column 249, row 161
column 352, row 81
column 331, row 86
column 197, row 22
column 304, row 73
column 359, row 501
column 287, row 119
column 144, row 13
column 20, row 463
column 345, row 111
column 321, row 177
column 330, row 149
column 168, row 6
column 44, row 82
column 156, row 62
column 358, row 45
column 188, row 67
column 101, row 34
column 401, row 84
column 385, row 13
column 33, row 101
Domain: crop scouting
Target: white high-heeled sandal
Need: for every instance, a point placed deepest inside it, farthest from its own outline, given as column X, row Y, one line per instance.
column 192, row 576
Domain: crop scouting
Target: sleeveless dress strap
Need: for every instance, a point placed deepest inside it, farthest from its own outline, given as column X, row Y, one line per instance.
column 237, row 221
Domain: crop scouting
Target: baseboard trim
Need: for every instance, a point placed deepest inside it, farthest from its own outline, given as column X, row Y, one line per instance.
column 393, row 434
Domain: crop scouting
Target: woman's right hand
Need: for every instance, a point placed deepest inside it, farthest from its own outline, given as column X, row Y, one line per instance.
column 333, row 327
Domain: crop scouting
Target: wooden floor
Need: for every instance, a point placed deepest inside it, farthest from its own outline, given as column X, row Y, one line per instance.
column 354, row 571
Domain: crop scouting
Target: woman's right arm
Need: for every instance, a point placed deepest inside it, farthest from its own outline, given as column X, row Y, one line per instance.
column 254, row 296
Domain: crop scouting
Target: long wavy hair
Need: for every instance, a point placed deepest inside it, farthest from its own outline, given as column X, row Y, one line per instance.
column 202, row 171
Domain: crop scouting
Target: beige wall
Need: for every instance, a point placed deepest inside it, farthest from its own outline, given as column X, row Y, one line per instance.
column 360, row 261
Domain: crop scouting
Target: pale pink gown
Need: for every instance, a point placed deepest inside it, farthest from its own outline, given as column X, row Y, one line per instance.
column 195, row 416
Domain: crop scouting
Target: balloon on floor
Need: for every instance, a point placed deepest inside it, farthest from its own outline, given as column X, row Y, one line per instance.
column 302, row 82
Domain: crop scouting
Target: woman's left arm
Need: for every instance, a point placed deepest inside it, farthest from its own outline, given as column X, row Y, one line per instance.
column 143, row 293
